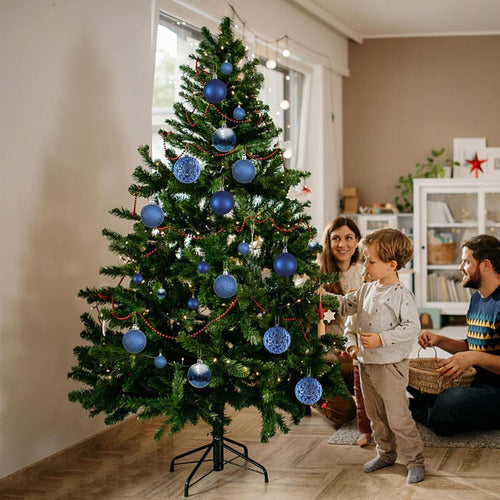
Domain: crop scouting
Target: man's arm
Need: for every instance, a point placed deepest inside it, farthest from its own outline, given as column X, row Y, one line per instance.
column 429, row 339
column 456, row 364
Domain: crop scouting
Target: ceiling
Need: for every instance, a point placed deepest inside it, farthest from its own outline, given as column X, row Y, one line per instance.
column 360, row 19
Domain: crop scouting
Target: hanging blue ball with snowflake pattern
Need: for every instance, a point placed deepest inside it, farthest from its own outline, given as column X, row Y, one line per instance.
column 192, row 303
column 243, row 171
column 225, row 286
column 285, row 264
column 215, row 91
column 161, row 293
column 308, row 390
column 277, row 340
column 199, row 375
column 221, row 202
column 137, row 278
column 226, row 68
column 203, row 267
column 134, row 341
column 238, row 113
column 243, row 248
column 187, row 169
column 224, row 139
column 152, row 215
column 160, row 361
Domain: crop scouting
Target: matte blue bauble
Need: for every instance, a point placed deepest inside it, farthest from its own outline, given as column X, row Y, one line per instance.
column 137, row 278
column 215, row 91
column 308, row 391
column 221, row 202
column 285, row 264
column 224, row 139
column 199, row 374
column 203, row 267
column 160, row 361
column 225, row 286
column 161, row 293
column 244, row 171
column 243, row 248
column 152, row 215
column 134, row 341
column 187, row 169
column 226, row 67
column 238, row 113
column 277, row 340
column 192, row 303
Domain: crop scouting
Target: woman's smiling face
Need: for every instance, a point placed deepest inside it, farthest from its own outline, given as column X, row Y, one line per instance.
column 343, row 243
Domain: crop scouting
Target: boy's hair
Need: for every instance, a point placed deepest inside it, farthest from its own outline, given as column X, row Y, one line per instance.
column 485, row 246
column 391, row 244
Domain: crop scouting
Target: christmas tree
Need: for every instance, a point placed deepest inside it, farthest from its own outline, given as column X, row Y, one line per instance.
column 214, row 299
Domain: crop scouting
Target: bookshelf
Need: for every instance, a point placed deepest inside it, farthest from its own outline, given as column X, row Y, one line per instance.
column 446, row 213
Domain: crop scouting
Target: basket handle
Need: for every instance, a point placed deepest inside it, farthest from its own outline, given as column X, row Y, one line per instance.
column 435, row 352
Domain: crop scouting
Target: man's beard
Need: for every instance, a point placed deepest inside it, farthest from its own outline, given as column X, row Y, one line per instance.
column 473, row 280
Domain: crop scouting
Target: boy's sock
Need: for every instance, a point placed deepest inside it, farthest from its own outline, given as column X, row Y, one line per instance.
column 415, row 474
column 375, row 464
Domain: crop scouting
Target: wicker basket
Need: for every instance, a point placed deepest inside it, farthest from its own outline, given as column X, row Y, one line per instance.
column 444, row 253
column 425, row 377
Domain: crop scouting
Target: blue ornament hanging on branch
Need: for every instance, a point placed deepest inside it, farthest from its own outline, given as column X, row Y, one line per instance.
column 238, row 113
column 285, row 264
column 226, row 68
column 221, row 202
column 243, row 248
column 243, row 171
column 203, row 267
column 137, row 278
column 192, row 303
column 134, row 340
column 277, row 340
column 152, row 215
column 224, row 139
column 199, row 374
column 215, row 91
column 160, row 361
column 308, row 390
column 225, row 286
column 161, row 293
column 187, row 169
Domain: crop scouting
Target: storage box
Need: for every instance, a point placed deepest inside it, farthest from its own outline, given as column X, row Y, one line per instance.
column 350, row 197
column 444, row 253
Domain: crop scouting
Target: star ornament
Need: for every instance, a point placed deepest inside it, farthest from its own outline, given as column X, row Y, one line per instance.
column 475, row 165
column 329, row 316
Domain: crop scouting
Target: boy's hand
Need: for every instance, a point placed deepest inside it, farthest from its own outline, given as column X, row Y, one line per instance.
column 353, row 351
column 370, row 340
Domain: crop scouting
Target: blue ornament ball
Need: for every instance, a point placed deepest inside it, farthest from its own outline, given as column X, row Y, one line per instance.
column 226, row 68
column 203, row 267
column 187, row 169
column 238, row 113
column 224, row 139
column 160, row 361
column 215, row 91
column 192, row 303
column 134, row 341
column 313, row 244
column 225, row 286
column 221, row 202
column 277, row 340
column 152, row 215
column 137, row 278
column 244, row 171
column 285, row 264
column 243, row 248
column 308, row 390
column 199, row 375
column 161, row 293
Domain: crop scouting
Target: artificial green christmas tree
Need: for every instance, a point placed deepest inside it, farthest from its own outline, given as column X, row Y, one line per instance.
column 215, row 299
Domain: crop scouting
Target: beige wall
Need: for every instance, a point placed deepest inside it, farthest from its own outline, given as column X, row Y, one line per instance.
column 407, row 96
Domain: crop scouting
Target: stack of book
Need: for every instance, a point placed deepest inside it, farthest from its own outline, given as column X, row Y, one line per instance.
column 444, row 288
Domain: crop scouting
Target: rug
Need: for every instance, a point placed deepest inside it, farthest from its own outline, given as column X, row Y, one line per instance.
column 348, row 434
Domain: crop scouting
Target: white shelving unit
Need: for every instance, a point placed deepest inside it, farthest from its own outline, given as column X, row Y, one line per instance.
column 446, row 213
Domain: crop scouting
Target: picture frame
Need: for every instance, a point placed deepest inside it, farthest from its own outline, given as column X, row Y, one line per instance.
column 464, row 149
column 493, row 162
column 430, row 318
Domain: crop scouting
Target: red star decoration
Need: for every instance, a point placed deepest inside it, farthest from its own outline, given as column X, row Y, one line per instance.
column 475, row 165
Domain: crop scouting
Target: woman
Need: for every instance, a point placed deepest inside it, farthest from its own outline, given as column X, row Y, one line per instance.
column 341, row 255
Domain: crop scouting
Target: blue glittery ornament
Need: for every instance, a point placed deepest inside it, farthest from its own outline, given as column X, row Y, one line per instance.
column 277, row 340
column 221, row 202
column 215, row 91
column 238, row 113
column 199, row 375
column 192, row 303
column 160, row 361
column 226, row 67
column 152, row 215
column 243, row 248
column 161, row 293
column 134, row 341
column 285, row 264
column 308, row 390
column 137, row 278
column 224, row 139
column 187, row 169
column 203, row 267
column 244, row 171
column 225, row 286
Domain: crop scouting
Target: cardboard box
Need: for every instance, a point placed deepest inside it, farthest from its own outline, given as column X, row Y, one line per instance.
column 350, row 195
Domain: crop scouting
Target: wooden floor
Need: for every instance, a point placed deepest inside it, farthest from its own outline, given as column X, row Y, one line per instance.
column 301, row 465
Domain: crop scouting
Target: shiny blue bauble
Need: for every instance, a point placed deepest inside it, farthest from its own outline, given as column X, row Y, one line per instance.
column 308, row 390
column 215, row 91
column 226, row 67
column 243, row 248
column 161, row 293
column 221, row 202
column 238, row 113
column 224, row 139
column 199, row 375
column 137, row 278
column 277, row 340
column 203, row 267
column 313, row 245
column 192, row 303
column 187, row 169
column 160, row 361
column 225, row 286
column 134, row 341
column 244, row 171
column 152, row 215
column 285, row 264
